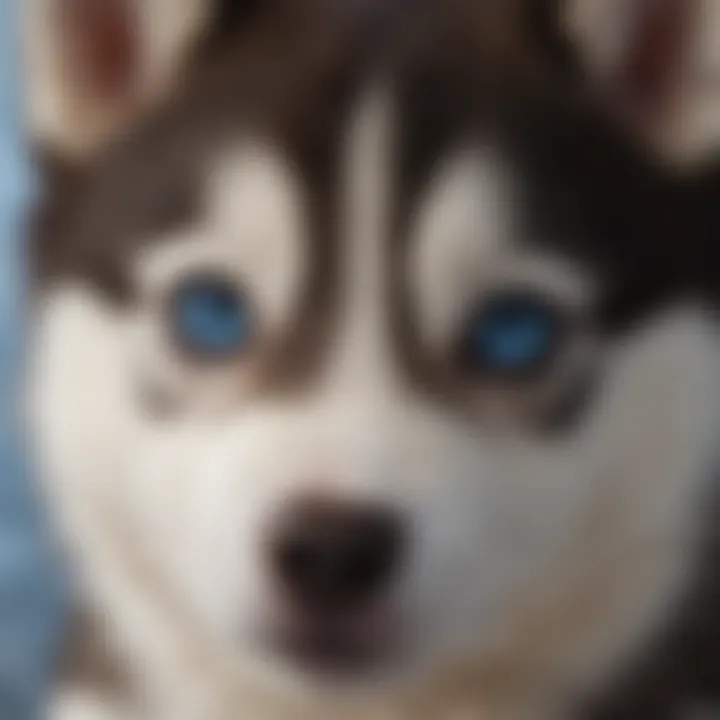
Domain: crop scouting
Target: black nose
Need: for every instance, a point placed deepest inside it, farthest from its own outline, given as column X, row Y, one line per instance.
column 335, row 558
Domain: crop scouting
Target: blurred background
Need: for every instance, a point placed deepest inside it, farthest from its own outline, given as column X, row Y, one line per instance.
column 29, row 595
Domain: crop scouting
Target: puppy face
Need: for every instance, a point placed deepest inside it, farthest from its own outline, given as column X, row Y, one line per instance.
column 395, row 373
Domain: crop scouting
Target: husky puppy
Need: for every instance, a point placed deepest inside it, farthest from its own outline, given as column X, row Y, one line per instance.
column 375, row 368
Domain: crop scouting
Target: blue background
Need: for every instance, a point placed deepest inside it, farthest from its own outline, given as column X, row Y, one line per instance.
column 28, row 588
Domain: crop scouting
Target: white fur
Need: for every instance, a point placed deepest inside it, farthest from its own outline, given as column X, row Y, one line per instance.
column 79, row 706
column 549, row 560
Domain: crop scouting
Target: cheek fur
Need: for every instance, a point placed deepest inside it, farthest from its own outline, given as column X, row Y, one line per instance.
column 505, row 525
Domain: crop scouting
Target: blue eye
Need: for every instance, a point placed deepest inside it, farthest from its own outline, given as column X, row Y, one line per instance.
column 211, row 317
column 513, row 333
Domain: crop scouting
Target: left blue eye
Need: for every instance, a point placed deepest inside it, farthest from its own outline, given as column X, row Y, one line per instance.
column 211, row 317
column 513, row 334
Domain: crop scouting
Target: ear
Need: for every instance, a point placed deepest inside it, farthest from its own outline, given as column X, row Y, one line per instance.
column 641, row 54
column 93, row 65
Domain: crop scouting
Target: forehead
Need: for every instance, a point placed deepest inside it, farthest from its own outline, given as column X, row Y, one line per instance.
column 573, row 184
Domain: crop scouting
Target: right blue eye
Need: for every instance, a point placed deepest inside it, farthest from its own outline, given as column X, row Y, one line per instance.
column 211, row 317
column 512, row 333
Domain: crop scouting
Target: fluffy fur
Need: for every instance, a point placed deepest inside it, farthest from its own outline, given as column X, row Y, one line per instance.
column 549, row 546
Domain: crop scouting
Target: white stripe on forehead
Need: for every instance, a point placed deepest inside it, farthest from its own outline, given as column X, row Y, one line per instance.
column 364, row 233
column 461, row 233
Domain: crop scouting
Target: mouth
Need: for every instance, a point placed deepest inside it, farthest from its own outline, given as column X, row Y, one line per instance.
column 334, row 649
column 329, row 654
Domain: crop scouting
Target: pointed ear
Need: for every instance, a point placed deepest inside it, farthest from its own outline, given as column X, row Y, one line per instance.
column 641, row 55
column 93, row 65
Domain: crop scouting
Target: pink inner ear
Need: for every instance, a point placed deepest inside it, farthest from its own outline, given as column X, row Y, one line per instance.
column 648, row 77
column 103, row 47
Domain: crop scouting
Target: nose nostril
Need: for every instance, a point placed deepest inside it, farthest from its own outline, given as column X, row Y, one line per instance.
column 335, row 558
column 296, row 559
